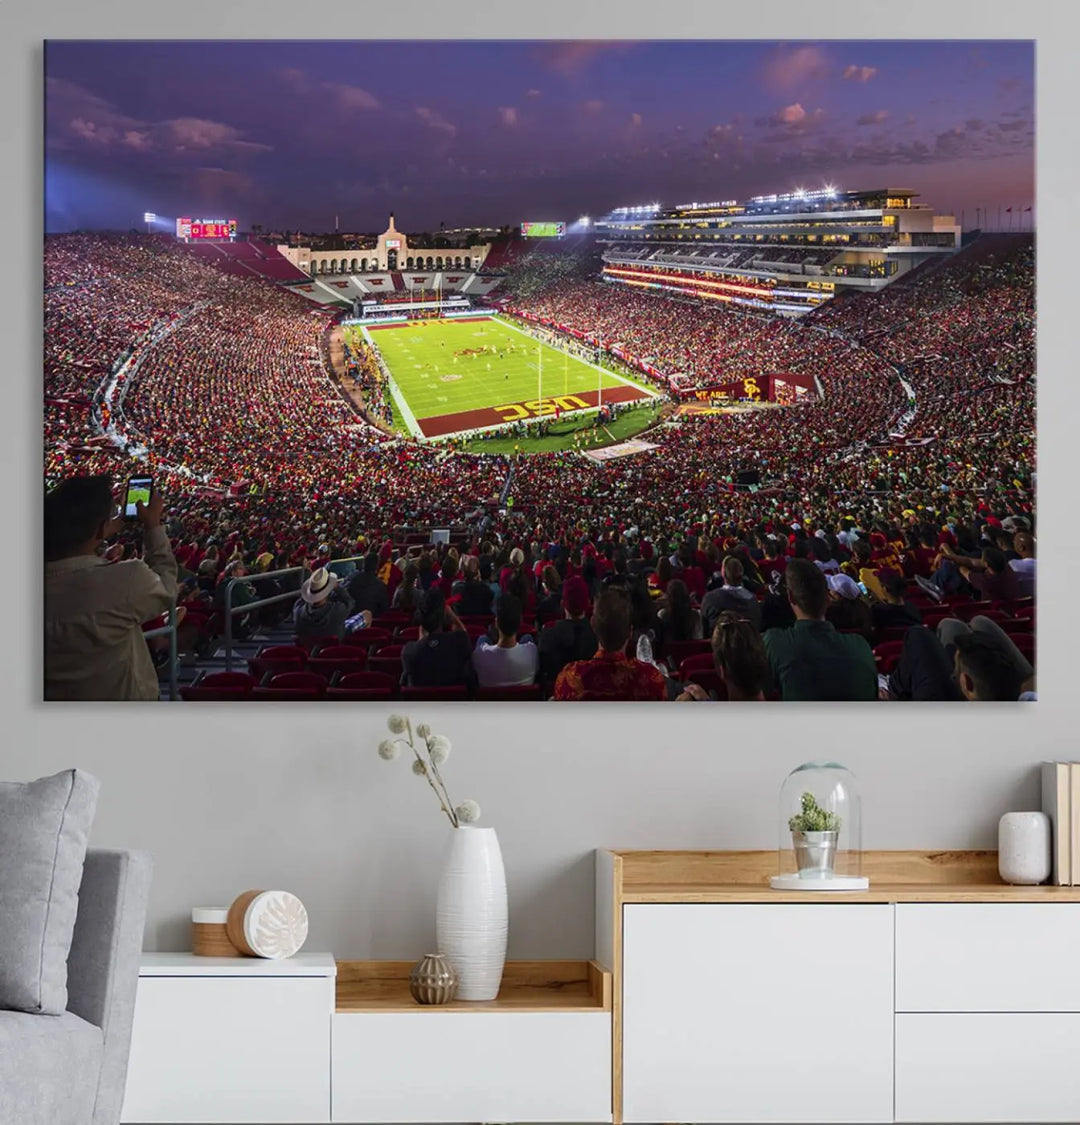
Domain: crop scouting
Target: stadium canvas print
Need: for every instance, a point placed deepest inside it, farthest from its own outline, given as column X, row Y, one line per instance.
column 579, row 371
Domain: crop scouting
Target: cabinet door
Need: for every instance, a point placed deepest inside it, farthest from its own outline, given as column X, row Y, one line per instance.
column 230, row 1049
column 445, row 1066
column 758, row 1013
column 991, row 1067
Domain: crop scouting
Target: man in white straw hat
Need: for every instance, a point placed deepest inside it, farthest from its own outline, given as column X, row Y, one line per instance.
column 322, row 608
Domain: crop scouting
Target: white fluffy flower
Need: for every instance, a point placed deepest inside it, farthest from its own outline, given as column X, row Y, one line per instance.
column 388, row 749
column 467, row 812
column 423, row 730
column 439, row 747
column 419, row 768
column 397, row 724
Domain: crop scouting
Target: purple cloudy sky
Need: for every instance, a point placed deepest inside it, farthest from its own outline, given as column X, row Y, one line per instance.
column 293, row 133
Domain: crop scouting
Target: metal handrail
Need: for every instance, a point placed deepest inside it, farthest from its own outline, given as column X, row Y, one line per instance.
column 230, row 611
column 169, row 630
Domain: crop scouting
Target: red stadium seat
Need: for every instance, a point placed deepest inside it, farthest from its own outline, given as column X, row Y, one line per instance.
column 701, row 662
column 297, row 686
column 677, row 651
column 887, row 655
column 1018, row 625
column 370, row 638
column 313, row 644
column 516, row 693
column 409, row 633
column 973, row 609
column 219, row 687
column 360, row 686
column 337, row 659
column 278, row 658
column 434, row 694
column 387, row 659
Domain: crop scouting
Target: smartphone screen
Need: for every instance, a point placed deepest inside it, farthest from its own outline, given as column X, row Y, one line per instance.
column 138, row 488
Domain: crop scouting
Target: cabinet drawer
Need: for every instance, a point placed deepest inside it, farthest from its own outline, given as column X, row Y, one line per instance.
column 431, row 1066
column 759, row 1013
column 227, row 1050
column 988, row 1067
column 988, row 957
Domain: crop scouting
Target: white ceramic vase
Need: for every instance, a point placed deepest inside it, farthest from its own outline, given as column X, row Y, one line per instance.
column 471, row 913
column 1024, row 848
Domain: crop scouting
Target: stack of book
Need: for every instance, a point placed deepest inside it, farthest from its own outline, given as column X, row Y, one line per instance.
column 1061, row 803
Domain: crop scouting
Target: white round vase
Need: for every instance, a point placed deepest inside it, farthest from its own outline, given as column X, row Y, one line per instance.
column 1024, row 848
column 471, row 913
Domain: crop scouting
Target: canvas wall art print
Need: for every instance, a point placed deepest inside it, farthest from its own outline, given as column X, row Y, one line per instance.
column 509, row 371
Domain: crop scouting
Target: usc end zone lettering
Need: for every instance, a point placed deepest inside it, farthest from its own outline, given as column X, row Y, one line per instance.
column 538, row 407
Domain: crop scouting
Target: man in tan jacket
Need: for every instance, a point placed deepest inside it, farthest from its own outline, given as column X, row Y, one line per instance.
column 94, row 610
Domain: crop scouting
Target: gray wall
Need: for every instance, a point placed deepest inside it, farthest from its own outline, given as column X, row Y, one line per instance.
column 296, row 798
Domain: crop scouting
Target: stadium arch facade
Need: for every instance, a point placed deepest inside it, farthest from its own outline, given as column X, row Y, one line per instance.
column 392, row 251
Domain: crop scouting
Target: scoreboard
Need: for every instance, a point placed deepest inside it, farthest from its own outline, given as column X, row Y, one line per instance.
column 206, row 228
column 543, row 230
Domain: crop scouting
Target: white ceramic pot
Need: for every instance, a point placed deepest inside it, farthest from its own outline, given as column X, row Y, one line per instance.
column 471, row 913
column 1024, row 848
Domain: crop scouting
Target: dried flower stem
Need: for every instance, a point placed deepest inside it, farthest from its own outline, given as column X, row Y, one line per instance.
column 430, row 767
column 438, row 777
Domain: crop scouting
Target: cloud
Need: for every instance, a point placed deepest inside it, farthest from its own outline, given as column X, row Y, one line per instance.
column 571, row 57
column 876, row 118
column 793, row 119
column 352, row 97
column 1008, row 126
column 594, row 105
column 436, row 121
column 533, row 93
column 508, row 115
column 974, row 124
column 788, row 67
column 635, row 120
column 859, row 73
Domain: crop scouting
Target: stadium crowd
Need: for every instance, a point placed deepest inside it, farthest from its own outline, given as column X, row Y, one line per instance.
column 228, row 396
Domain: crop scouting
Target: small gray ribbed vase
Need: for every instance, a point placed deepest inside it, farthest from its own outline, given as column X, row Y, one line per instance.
column 432, row 980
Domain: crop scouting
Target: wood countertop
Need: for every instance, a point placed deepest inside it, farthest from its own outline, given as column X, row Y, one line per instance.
column 895, row 876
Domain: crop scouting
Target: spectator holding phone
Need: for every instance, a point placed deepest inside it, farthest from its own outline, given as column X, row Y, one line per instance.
column 94, row 609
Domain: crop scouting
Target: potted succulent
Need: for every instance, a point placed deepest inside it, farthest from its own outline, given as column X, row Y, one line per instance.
column 814, row 835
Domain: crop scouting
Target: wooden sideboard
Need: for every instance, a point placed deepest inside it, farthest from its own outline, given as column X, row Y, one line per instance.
column 939, row 994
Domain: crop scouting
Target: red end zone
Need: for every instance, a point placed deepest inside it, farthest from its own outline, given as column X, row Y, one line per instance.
column 443, row 424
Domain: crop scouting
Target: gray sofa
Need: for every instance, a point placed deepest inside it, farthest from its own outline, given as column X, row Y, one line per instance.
column 70, row 1069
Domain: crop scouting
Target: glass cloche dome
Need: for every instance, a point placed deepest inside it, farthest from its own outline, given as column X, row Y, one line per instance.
column 820, row 830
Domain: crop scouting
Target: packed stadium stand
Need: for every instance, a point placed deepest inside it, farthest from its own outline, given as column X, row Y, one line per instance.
column 187, row 362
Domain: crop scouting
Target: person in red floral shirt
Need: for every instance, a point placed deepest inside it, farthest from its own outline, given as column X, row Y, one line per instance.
column 610, row 674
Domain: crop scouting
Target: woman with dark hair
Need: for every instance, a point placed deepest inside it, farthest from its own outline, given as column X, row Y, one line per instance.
column 740, row 658
column 823, row 556
column 678, row 619
column 408, row 595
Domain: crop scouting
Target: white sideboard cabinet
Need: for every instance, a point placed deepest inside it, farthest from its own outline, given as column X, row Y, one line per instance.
column 227, row 1040
column 938, row 995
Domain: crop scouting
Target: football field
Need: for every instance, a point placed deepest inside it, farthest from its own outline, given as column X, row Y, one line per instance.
column 452, row 376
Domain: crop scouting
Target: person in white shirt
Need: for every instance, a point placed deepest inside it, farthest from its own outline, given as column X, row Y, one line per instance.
column 1024, row 546
column 508, row 662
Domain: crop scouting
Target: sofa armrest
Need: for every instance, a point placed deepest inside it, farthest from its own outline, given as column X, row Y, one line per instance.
column 103, row 966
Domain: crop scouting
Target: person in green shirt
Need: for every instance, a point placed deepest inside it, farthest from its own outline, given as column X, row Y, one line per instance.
column 811, row 660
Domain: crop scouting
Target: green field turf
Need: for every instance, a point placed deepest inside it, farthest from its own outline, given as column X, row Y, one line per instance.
column 433, row 381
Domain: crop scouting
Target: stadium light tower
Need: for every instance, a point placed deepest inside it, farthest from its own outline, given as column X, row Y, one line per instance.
column 149, row 218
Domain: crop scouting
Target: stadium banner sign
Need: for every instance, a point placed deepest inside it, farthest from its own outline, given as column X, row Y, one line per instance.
column 614, row 452
column 783, row 389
